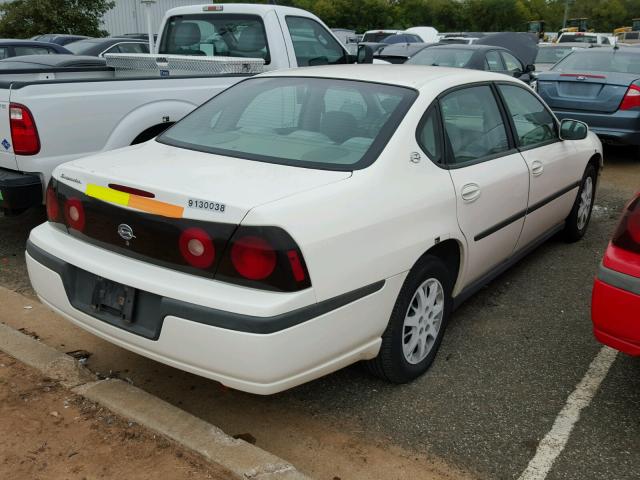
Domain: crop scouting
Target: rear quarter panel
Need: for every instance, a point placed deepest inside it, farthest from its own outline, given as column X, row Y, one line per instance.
column 7, row 157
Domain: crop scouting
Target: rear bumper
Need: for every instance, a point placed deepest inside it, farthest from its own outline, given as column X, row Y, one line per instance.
column 615, row 310
column 621, row 127
column 246, row 346
column 19, row 190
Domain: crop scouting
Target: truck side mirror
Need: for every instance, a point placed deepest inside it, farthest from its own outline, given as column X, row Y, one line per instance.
column 365, row 54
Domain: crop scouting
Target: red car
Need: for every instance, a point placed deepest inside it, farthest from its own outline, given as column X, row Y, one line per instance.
column 615, row 304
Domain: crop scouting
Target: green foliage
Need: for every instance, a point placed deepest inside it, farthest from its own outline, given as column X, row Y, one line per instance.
column 467, row 15
column 26, row 18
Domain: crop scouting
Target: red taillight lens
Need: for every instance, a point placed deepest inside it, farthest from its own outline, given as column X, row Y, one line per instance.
column 627, row 235
column 631, row 99
column 196, row 247
column 23, row 130
column 53, row 207
column 74, row 214
column 253, row 257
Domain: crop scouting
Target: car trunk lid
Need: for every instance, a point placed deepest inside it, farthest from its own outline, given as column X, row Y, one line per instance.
column 595, row 92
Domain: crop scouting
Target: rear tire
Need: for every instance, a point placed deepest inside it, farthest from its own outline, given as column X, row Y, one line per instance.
column 417, row 324
column 578, row 220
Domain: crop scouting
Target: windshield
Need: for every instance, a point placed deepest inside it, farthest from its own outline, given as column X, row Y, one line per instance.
column 552, row 54
column 308, row 122
column 600, row 61
column 223, row 35
column 442, row 57
column 578, row 37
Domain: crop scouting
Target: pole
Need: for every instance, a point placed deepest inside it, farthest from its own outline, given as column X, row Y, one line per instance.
column 566, row 13
column 148, row 4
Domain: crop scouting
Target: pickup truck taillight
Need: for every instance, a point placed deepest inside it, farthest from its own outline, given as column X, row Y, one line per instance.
column 23, row 130
column 631, row 99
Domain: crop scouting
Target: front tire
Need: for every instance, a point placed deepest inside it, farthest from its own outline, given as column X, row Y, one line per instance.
column 417, row 324
column 578, row 220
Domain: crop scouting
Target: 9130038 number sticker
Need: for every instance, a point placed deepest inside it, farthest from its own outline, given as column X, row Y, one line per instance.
column 206, row 205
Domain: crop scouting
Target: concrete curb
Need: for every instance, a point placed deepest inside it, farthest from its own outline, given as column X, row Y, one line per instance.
column 243, row 460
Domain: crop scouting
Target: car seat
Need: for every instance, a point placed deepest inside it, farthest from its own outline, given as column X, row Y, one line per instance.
column 186, row 36
column 251, row 43
column 339, row 126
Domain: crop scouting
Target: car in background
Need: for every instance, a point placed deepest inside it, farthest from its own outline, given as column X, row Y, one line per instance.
column 18, row 48
column 629, row 38
column 202, row 264
column 137, row 36
column 48, row 62
column 393, row 39
column 585, row 37
column 58, row 38
column 98, row 47
column 551, row 53
column 615, row 301
column 377, row 36
column 476, row 57
column 459, row 40
column 599, row 86
column 400, row 52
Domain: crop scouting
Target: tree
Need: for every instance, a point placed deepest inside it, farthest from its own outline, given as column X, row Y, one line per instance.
column 26, row 18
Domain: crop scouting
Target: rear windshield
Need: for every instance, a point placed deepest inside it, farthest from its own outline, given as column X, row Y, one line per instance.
column 577, row 37
column 600, row 61
column 442, row 57
column 82, row 46
column 223, row 35
column 308, row 122
column 375, row 37
column 552, row 54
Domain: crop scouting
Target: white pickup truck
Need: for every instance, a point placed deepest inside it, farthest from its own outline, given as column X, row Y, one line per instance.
column 48, row 117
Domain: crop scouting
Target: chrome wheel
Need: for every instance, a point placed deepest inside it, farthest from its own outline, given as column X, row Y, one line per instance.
column 422, row 321
column 584, row 208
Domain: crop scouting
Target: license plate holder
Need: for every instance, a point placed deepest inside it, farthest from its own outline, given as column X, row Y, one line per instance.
column 114, row 299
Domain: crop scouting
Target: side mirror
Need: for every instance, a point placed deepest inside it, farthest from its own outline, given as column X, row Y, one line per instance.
column 573, row 130
column 365, row 54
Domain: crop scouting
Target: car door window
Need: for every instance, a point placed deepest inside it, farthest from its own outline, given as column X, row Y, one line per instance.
column 533, row 122
column 312, row 43
column 132, row 48
column 473, row 124
column 4, row 53
column 494, row 62
column 512, row 64
column 30, row 51
column 428, row 135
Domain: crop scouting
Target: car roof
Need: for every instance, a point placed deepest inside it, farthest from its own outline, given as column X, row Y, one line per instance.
column 261, row 9
column 412, row 76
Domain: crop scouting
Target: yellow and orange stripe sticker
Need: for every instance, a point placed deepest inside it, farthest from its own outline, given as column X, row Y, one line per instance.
column 137, row 202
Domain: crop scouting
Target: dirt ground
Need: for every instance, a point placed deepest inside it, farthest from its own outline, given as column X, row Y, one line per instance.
column 46, row 432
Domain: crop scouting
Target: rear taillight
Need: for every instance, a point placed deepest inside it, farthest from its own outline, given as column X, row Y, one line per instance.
column 53, row 205
column 74, row 214
column 627, row 236
column 23, row 130
column 631, row 99
column 197, row 248
column 253, row 258
column 264, row 257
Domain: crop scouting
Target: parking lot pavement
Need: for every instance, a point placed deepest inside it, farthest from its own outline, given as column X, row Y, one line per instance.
column 511, row 357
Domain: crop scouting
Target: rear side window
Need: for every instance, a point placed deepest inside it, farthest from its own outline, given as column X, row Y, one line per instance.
column 493, row 61
column 534, row 124
column 429, row 135
column 225, row 35
column 4, row 53
column 313, row 44
column 473, row 124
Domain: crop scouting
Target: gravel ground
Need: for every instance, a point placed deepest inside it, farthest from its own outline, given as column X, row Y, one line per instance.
column 511, row 356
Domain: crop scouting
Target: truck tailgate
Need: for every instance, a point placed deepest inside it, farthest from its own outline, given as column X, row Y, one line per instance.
column 7, row 157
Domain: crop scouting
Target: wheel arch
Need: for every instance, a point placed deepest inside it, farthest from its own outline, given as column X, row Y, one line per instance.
column 451, row 252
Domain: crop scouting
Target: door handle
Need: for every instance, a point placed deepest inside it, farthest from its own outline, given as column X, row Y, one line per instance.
column 470, row 192
column 537, row 168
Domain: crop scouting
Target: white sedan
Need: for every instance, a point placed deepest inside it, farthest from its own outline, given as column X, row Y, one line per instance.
column 303, row 221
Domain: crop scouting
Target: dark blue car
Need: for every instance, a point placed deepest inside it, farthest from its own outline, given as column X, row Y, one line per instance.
column 600, row 87
column 18, row 48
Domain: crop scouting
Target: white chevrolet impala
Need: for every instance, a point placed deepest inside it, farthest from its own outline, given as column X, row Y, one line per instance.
column 302, row 221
